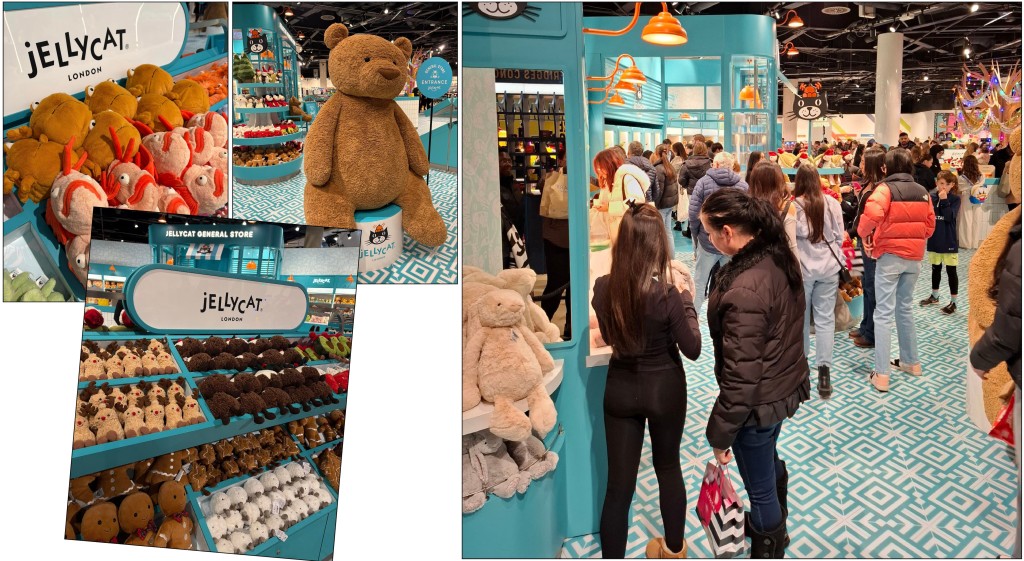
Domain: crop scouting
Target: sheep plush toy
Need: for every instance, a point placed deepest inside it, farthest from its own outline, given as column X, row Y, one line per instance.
column 506, row 363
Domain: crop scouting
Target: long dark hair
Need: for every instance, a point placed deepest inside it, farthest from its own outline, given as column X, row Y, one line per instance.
column 858, row 155
column 752, row 161
column 640, row 252
column 767, row 182
column 874, row 159
column 970, row 169
column 808, row 186
column 679, row 150
column 758, row 218
column 664, row 153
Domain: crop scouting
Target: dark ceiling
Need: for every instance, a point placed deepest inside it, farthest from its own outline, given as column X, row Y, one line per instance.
column 429, row 25
column 131, row 226
column 839, row 50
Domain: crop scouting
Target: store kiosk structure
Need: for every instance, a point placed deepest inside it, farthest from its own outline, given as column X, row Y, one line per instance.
column 274, row 53
column 29, row 243
column 567, row 503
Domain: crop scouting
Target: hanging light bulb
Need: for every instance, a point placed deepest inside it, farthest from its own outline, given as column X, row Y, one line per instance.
column 288, row 12
column 664, row 29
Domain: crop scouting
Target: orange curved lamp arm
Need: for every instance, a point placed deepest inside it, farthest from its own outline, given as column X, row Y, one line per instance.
column 616, row 69
column 625, row 30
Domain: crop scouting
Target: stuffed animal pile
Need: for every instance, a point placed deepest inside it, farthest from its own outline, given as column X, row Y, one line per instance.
column 131, row 359
column 268, row 75
column 261, row 156
column 108, row 413
column 243, row 516
column 237, row 354
column 324, row 346
column 125, row 512
column 269, row 131
column 215, row 80
column 19, row 286
column 368, row 72
column 329, row 462
column 261, row 393
column 246, row 454
column 116, row 149
column 257, row 102
column 493, row 466
column 317, row 431
column 849, row 291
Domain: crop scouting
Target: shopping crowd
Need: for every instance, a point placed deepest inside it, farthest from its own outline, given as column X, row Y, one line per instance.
column 771, row 256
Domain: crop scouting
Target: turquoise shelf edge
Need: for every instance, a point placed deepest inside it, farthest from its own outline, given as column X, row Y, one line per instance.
column 267, row 173
column 222, row 104
column 261, row 109
column 270, row 140
column 261, row 85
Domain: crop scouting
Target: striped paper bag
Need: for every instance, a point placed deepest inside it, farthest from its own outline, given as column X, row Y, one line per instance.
column 721, row 513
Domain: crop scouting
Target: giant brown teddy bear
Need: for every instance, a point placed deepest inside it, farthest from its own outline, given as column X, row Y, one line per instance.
column 979, row 279
column 362, row 152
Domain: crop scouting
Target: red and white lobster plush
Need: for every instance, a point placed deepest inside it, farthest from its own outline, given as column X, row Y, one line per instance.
column 201, row 187
column 127, row 184
column 73, row 196
column 200, row 140
column 213, row 123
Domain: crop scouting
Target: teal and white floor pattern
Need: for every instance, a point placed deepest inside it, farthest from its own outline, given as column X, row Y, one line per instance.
column 904, row 474
column 419, row 264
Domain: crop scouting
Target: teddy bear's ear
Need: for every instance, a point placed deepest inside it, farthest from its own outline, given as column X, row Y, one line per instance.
column 405, row 45
column 335, row 34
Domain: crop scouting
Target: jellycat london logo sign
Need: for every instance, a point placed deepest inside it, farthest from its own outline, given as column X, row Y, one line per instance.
column 165, row 299
column 434, row 77
column 68, row 48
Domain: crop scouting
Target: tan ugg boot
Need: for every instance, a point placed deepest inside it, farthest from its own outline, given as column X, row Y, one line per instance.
column 656, row 549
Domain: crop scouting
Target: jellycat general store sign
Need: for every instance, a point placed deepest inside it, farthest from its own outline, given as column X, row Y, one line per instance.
column 75, row 46
column 164, row 299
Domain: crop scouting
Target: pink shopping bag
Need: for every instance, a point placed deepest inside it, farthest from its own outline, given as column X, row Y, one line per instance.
column 720, row 512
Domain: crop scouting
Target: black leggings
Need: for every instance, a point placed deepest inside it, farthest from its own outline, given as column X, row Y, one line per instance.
column 954, row 280
column 556, row 259
column 631, row 399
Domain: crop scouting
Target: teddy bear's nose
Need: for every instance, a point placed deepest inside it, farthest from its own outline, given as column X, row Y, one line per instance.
column 388, row 73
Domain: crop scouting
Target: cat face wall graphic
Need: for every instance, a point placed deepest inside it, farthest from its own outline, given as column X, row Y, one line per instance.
column 502, row 10
column 812, row 103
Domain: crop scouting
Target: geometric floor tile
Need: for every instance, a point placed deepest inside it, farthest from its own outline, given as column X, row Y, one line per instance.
column 898, row 475
column 418, row 264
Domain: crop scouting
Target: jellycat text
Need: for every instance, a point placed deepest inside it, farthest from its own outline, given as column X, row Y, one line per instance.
column 62, row 52
column 228, row 303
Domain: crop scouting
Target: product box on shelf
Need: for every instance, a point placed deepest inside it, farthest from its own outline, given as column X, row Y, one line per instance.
column 212, row 386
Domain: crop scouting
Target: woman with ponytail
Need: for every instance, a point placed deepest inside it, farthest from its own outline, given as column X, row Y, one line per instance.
column 756, row 316
column 647, row 317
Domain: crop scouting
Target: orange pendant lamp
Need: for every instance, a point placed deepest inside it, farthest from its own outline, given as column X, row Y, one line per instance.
column 616, row 99
column 747, row 93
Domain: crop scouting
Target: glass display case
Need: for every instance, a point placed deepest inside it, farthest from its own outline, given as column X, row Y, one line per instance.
column 752, row 97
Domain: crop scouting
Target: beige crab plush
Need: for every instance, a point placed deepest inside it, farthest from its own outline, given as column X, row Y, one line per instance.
column 506, row 363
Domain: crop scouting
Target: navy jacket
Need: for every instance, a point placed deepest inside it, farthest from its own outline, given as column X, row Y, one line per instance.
column 944, row 239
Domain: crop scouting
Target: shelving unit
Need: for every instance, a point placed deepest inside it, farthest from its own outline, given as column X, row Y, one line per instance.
column 285, row 63
column 532, row 123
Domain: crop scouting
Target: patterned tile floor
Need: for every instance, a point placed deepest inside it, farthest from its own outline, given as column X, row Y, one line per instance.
column 419, row 264
column 903, row 474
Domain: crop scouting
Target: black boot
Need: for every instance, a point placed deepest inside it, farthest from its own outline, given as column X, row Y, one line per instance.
column 824, row 383
column 767, row 545
column 782, row 490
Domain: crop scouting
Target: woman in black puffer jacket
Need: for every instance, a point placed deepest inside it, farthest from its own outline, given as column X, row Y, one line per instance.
column 755, row 317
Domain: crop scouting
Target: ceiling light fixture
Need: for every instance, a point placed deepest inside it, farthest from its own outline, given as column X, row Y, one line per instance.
column 663, row 29
column 789, row 49
column 288, row 12
column 974, row 8
column 795, row 21
column 892, row 26
column 386, row 11
column 925, row 77
column 440, row 49
column 616, row 99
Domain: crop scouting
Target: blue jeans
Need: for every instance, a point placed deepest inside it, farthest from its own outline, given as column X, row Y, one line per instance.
column 894, row 299
column 758, row 462
column 821, row 295
column 666, row 215
column 867, row 323
column 703, row 263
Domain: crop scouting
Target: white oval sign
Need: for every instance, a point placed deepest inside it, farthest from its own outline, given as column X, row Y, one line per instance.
column 68, row 48
column 164, row 299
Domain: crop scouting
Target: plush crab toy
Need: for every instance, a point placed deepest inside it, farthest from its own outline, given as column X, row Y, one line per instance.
column 128, row 185
column 213, row 123
column 73, row 196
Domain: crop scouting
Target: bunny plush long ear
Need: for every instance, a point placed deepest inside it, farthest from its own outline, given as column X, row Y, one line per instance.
column 405, row 45
column 335, row 34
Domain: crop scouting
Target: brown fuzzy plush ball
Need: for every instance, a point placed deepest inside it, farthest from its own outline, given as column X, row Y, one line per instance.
column 217, row 383
column 213, row 346
column 310, row 374
column 225, row 361
column 252, row 404
column 200, row 362
column 258, row 345
column 223, row 406
column 293, row 357
column 247, row 382
column 236, row 346
column 291, row 377
column 271, row 359
column 246, row 360
column 280, row 343
column 188, row 347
